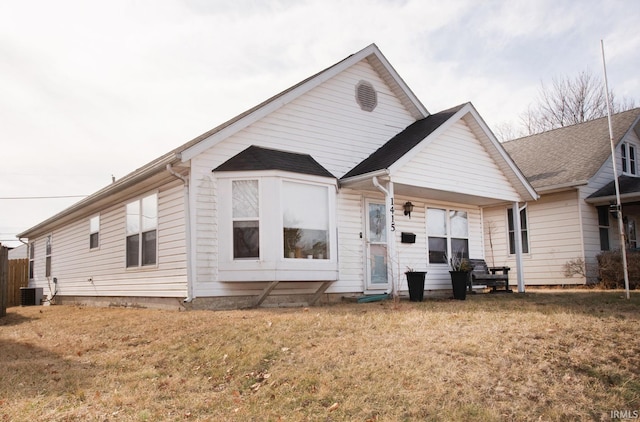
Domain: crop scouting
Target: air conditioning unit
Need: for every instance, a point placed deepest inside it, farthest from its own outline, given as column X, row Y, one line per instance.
column 30, row 296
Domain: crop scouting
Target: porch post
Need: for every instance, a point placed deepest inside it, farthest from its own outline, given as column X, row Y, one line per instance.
column 391, row 241
column 518, row 244
column 392, row 267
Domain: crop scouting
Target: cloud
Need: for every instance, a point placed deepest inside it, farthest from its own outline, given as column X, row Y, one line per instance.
column 90, row 89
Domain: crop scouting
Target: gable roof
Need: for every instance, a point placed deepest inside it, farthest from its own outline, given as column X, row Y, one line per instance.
column 399, row 150
column 371, row 53
column 571, row 155
column 190, row 149
column 402, row 143
column 258, row 158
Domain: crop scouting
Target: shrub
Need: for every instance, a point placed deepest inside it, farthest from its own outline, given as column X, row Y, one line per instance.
column 610, row 273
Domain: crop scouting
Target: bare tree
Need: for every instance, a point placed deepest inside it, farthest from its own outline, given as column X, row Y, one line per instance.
column 567, row 102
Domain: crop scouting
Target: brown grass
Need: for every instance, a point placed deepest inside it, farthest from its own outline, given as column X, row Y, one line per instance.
column 558, row 355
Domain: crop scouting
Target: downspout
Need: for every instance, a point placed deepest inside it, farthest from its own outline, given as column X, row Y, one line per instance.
column 391, row 244
column 518, row 241
column 187, row 222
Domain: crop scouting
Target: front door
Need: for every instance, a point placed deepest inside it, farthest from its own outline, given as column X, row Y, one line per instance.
column 376, row 239
column 632, row 239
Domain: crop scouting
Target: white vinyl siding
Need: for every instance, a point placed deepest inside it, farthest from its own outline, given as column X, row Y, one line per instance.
column 101, row 272
column 554, row 238
column 326, row 123
column 350, row 214
column 456, row 161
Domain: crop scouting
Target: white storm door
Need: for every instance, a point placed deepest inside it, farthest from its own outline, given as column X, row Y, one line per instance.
column 376, row 249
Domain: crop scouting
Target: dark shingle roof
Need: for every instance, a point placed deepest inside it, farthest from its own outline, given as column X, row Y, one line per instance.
column 257, row 158
column 571, row 154
column 627, row 185
column 402, row 143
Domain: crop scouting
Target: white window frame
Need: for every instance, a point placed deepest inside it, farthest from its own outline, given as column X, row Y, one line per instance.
column 629, row 158
column 94, row 229
column 47, row 255
column 235, row 219
column 272, row 264
column 140, row 232
column 604, row 224
column 524, row 228
column 32, row 256
column 448, row 236
column 329, row 247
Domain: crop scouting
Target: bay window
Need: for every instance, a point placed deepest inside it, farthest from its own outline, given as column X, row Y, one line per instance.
column 276, row 225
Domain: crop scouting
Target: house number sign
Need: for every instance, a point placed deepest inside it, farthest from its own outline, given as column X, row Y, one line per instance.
column 393, row 221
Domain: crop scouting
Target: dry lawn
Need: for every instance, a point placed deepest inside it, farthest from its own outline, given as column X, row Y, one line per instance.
column 555, row 355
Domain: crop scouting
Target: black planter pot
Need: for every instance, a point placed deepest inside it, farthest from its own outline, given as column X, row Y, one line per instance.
column 415, row 281
column 459, row 284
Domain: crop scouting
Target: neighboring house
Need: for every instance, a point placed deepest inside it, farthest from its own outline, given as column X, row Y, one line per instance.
column 299, row 198
column 19, row 252
column 571, row 169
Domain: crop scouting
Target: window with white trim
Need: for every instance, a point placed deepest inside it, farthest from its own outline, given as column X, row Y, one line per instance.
column 523, row 230
column 94, row 232
column 448, row 234
column 628, row 158
column 246, row 219
column 289, row 236
column 47, row 259
column 32, row 255
column 603, row 227
column 142, row 231
column 305, row 220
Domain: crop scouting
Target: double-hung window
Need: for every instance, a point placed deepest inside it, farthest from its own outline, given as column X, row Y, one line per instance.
column 32, row 255
column 603, row 227
column 523, row 231
column 94, row 232
column 628, row 157
column 47, row 259
column 246, row 219
column 448, row 234
column 142, row 228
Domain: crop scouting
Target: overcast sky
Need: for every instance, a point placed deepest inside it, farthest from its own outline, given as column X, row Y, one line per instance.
column 91, row 89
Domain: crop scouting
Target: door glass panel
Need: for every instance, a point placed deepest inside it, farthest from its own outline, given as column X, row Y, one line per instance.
column 378, row 264
column 377, row 246
column 377, row 223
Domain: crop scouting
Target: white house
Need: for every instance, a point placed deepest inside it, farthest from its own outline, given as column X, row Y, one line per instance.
column 298, row 199
column 571, row 168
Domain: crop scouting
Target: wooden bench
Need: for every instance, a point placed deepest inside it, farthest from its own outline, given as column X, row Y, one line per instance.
column 497, row 278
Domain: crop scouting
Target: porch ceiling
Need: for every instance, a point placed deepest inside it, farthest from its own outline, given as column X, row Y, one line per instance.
column 430, row 194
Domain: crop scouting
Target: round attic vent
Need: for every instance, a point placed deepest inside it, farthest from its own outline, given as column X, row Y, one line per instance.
column 366, row 96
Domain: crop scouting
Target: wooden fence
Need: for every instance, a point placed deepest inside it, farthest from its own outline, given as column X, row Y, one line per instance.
column 4, row 280
column 14, row 274
column 18, row 277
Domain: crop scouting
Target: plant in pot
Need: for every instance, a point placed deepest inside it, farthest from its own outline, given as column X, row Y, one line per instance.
column 459, row 268
column 415, row 281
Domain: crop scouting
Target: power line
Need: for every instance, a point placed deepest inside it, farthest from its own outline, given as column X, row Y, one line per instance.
column 42, row 197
